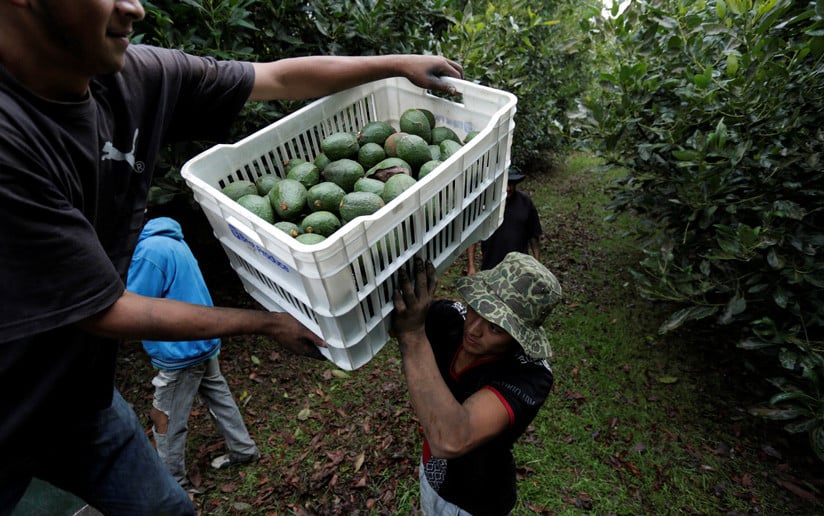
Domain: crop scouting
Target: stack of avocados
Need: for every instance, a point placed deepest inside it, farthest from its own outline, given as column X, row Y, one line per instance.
column 354, row 175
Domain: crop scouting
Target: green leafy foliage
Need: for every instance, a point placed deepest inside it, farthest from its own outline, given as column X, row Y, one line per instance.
column 379, row 26
column 715, row 108
column 222, row 28
column 541, row 52
column 266, row 31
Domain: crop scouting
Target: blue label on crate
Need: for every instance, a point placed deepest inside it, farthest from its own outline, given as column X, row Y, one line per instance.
column 261, row 251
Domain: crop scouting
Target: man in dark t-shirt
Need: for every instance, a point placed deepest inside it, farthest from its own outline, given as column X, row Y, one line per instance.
column 82, row 117
column 520, row 230
column 477, row 375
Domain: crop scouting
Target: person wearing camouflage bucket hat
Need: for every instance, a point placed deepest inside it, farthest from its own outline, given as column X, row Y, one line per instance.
column 518, row 294
column 477, row 376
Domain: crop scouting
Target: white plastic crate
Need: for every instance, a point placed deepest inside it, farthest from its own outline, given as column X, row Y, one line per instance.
column 341, row 288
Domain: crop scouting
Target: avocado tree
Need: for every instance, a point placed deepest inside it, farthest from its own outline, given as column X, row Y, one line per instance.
column 541, row 52
column 714, row 108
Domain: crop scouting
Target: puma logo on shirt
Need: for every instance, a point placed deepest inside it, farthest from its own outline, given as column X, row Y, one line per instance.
column 114, row 154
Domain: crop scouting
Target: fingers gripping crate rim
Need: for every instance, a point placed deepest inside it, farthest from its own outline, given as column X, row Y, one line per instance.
column 341, row 288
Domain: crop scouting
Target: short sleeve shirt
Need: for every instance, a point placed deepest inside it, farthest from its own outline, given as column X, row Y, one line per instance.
column 74, row 179
column 482, row 482
column 520, row 225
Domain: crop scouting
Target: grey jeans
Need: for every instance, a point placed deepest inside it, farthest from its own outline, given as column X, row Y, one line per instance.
column 174, row 394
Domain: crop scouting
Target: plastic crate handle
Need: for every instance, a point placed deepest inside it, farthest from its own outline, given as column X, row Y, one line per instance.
column 455, row 98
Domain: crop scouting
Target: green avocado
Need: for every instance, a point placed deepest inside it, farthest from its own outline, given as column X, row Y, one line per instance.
column 368, row 184
column 441, row 133
column 324, row 196
column 470, row 135
column 238, row 189
column 265, row 183
column 414, row 150
column 343, row 172
column 428, row 167
column 258, row 205
column 390, row 145
column 340, row 145
column 307, row 173
column 310, row 238
column 355, row 204
column 290, row 228
column 375, row 132
column 414, row 121
column 288, row 199
column 321, row 160
column 292, row 163
column 370, row 154
column 430, row 116
column 396, row 185
column 390, row 165
column 448, row 148
column 320, row 222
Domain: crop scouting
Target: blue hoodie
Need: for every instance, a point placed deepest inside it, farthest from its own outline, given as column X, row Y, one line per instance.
column 164, row 266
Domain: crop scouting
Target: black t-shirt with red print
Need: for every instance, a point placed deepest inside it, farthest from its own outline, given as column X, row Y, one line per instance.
column 482, row 482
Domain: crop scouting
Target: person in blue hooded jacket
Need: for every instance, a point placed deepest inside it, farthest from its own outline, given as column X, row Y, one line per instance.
column 163, row 266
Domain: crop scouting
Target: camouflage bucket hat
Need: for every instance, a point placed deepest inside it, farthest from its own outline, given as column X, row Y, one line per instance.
column 517, row 294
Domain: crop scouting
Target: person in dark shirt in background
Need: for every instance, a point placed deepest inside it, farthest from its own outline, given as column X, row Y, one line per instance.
column 520, row 230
